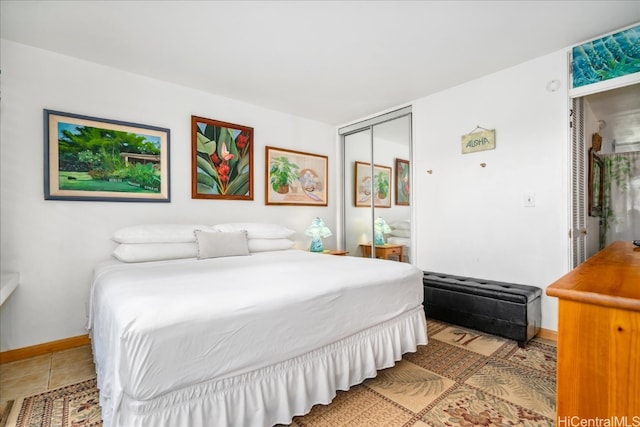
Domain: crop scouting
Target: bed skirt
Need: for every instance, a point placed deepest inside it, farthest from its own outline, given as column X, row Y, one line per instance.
column 277, row 393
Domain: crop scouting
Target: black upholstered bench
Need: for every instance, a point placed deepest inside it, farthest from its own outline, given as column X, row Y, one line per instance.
column 504, row 309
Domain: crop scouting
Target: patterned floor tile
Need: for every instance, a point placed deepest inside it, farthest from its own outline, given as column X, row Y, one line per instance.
column 409, row 385
column 357, row 407
column 537, row 355
column 454, row 362
column 435, row 326
column 506, row 381
column 471, row 340
column 466, row 406
column 77, row 402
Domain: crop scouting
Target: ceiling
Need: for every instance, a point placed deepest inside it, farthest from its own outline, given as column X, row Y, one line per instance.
column 331, row 61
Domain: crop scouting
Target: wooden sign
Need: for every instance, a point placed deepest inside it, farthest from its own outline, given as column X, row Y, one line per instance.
column 479, row 141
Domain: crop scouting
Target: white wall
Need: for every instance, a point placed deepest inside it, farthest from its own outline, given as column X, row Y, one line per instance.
column 471, row 220
column 55, row 244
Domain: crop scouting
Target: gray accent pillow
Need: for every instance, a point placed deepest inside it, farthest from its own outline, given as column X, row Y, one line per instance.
column 220, row 244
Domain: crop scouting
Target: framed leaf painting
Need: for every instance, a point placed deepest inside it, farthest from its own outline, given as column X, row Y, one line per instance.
column 222, row 160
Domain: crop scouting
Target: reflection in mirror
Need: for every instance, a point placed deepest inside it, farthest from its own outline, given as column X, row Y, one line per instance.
column 596, row 184
column 357, row 190
column 391, row 141
column 377, row 190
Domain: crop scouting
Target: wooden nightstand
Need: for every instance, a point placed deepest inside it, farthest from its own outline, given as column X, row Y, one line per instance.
column 384, row 251
column 334, row 252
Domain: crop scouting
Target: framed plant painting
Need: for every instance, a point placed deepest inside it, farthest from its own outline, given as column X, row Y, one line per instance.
column 402, row 182
column 377, row 187
column 92, row 159
column 295, row 178
column 222, row 160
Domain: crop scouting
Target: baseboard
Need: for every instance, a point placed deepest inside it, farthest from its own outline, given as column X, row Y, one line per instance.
column 548, row 334
column 46, row 348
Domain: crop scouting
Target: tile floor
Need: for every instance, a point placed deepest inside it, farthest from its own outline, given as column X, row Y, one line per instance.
column 42, row 373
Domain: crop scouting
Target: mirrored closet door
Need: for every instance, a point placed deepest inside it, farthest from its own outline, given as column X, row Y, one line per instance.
column 377, row 187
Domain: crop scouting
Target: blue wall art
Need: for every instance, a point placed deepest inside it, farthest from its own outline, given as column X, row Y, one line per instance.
column 606, row 58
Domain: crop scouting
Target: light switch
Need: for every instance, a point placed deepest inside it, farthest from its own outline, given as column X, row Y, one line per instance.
column 529, row 200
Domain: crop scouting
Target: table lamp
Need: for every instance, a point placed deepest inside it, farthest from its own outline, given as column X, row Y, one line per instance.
column 380, row 227
column 317, row 230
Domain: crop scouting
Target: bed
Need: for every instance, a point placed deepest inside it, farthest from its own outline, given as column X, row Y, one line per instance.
column 400, row 234
column 245, row 340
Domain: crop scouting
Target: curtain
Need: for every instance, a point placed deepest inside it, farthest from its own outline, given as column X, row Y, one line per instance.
column 621, row 205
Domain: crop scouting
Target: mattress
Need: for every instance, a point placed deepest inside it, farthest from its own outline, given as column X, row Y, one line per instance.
column 159, row 328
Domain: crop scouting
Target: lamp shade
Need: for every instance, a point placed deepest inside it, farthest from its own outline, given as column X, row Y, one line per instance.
column 317, row 230
column 380, row 227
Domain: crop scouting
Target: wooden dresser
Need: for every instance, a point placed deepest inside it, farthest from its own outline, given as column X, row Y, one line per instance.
column 599, row 338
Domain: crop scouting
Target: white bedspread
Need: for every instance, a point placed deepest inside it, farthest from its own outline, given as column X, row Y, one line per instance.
column 161, row 326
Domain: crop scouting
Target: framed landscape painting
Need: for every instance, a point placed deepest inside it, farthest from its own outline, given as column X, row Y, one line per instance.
column 92, row 159
column 222, row 160
column 377, row 187
column 295, row 178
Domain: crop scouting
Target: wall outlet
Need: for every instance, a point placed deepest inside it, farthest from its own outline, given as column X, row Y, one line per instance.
column 529, row 200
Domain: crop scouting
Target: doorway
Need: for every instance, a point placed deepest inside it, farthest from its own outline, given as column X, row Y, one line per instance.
column 611, row 119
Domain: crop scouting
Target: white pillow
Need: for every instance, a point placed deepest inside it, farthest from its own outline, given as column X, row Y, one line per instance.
column 215, row 244
column 265, row 245
column 144, row 252
column 401, row 225
column 257, row 230
column 400, row 233
column 158, row 233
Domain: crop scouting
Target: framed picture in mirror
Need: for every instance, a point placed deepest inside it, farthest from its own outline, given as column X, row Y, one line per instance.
column 596, row 184
column 403, row 189
column 376, row 187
